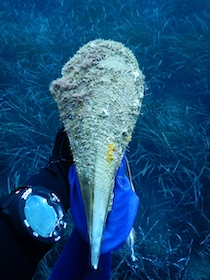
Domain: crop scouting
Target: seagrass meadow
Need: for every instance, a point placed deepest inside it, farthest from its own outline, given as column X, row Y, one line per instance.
column 169, row 153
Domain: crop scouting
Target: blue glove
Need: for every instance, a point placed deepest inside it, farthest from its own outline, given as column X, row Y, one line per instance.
column 74, row 262
column 120, row 219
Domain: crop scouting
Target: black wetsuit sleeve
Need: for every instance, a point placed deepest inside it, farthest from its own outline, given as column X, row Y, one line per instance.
column 16, row 260
column 55, row 175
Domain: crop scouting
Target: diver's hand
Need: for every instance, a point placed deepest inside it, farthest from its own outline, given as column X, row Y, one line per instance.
column 121, row 217
column 74, row 262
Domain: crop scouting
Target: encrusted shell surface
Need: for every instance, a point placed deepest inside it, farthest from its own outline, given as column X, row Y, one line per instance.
column 99, row 97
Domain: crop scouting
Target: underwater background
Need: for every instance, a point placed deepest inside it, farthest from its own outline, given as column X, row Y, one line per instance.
column 170, row 149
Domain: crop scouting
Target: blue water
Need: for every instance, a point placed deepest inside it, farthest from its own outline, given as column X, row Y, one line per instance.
column 170, row 149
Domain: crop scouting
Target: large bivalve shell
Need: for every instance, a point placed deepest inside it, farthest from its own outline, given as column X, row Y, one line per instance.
column 99, row 98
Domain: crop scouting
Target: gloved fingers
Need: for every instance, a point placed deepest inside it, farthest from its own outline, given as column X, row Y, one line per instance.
column 62, row 148
column 120, row 219
column 74, row 259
